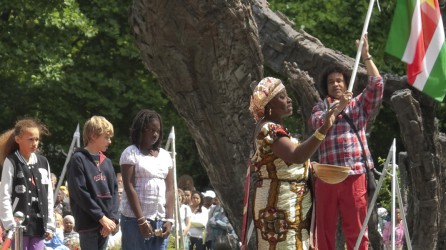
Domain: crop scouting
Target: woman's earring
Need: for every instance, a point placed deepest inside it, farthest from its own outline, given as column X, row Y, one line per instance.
column 270, row 110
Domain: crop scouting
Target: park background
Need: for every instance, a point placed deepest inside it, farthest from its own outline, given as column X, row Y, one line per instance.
column 63, row 61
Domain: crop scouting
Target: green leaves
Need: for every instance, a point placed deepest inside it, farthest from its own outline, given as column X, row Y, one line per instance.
column 338, row 23
column 63, row 61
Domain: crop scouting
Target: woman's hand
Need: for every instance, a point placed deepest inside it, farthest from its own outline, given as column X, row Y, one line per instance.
column 167, row 227
column 146, row 229
column 330, row 117
column 344, row 101
column 48, row 236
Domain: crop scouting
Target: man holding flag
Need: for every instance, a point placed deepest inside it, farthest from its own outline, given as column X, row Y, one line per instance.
column 345, row 144
column 417, row 38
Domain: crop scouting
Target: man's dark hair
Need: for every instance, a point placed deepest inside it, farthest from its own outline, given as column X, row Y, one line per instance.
column 324, row 80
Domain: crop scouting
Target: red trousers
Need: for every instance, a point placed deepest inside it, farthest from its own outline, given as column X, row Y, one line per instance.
column 350, row 198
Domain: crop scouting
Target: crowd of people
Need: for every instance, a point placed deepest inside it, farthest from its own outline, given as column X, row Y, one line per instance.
column 99, row 209
column 134, row 209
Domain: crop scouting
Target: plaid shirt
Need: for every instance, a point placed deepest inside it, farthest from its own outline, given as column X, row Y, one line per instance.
column 341, row 146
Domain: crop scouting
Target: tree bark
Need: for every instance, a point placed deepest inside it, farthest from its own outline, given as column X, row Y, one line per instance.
column 206, row 54
column 423, row 165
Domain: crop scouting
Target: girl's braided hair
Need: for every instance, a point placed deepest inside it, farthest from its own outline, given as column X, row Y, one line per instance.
column 140, row 122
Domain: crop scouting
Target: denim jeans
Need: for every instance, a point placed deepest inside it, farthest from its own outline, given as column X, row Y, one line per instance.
column 186, row 242
column 93, row 240
column 132, row 238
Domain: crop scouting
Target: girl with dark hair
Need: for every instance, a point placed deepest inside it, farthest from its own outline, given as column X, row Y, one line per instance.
column 199, row 220
column 147, row 203
column 26, row 183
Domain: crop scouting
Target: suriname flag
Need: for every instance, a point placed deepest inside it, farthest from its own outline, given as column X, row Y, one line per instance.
column 417, row 38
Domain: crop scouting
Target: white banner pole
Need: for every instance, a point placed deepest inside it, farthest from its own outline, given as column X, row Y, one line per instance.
column 361, row 43
column 393, row 194
column 403, row 216
column 76, row 137
column 178, row 230
column 375, row 196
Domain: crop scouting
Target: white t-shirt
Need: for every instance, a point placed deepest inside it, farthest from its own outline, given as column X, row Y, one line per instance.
column 150, row 185
column 198, row 223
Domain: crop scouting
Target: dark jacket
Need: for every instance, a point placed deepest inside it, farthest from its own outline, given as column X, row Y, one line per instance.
column 31, row 194
column 93, row 190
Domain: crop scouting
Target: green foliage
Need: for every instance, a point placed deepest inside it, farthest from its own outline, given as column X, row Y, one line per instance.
column 338, row 23
column 66, row 60
column 385, row 193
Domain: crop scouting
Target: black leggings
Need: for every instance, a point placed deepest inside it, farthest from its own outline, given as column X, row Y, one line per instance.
column 198, row 242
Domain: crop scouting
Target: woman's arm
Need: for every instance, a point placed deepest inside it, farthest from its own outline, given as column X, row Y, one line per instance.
column 6, row 215
column 188, row 223
column 51, row 223
column 169, row 203
column 289, row 151
column 169, row 194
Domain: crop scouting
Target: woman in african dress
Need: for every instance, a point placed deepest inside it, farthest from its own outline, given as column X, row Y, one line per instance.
column 282, row 199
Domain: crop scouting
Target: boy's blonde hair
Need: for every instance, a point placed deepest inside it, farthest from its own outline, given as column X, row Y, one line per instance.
column 96, row 126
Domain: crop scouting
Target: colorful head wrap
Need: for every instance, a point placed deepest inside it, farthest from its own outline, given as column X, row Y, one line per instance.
column 263, row 93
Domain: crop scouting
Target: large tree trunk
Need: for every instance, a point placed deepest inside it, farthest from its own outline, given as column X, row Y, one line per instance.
column 207, row 53
column 423, row 164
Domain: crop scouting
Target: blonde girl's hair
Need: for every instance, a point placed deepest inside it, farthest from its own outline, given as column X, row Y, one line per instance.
column 58, row 218
column 180, row 191
column 96, row 126
column 7, row 140
column 181, row 194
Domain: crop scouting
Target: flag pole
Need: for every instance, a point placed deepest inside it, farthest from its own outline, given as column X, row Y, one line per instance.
column 171, row 141
column 403, row 216
column 361, row 43
column 393, row 194
column 75, row 140
column 375, row 195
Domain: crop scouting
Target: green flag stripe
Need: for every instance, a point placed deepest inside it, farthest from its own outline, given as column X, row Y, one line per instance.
column 435, row 85
column 400, row 28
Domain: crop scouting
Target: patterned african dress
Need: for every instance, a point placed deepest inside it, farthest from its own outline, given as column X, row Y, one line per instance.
column 282, row 199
